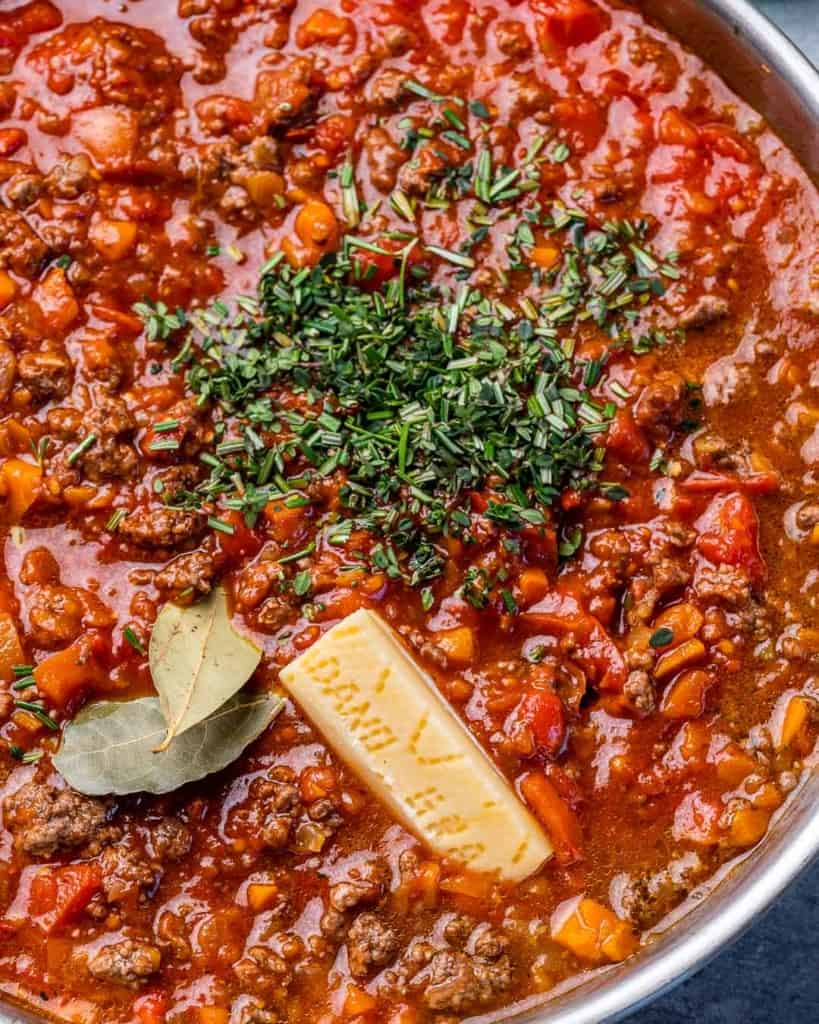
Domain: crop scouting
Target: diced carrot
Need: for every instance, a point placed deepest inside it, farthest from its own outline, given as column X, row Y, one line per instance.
column 213, row 1015
column 788, row 719
column 555, row 815
column 592, row 931
column 684, row 620
column 572, row 23
column 734, row 764
column 265, row 187
column 467, row 883
column 322, row 27
column 8, row 288
column 262, row 895
column 672, row 661
column 11, row 652
column 685, row 698
column 358, row 1001
column 533, row 584
column 458, row 645
column 748, row 826
column 404, row 1014
column 55, row 297
column 545, row 256
column 626, row 439
column 59, row 895
column 22, row 485
column 113, row 239
column 284, row 521
column 63, row 675
column 11, row 139
column 316, row 225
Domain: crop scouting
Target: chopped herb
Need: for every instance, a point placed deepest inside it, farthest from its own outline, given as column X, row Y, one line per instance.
column 39, row 713
column 615, row 492
column 662, row 637
column 81, row 448
column 133, row 640
column 113, row 523
column 302, row 583
column 220, row 525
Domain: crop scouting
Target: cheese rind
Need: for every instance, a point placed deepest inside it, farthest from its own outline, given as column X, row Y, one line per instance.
column 384, row 716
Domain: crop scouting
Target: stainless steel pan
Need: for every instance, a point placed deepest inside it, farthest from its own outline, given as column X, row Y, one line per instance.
column 760, row 64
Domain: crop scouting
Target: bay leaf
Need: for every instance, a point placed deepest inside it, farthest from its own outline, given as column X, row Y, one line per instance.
column 110, row 746
column 197, row 660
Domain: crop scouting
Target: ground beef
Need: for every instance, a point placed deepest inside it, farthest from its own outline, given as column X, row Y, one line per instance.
column 55, row 615
column 370, row 943
column 264, row 973
column 45, row 819
column 727, row 584
column 661, row 407
column 707, row 310
column 126, row 874
column 458, row 981
column 638, row 692
column 171, row 482
column 285, row 95
column 162, row 527
column 420, row 173
column 170, row 840
column 808, row 516
column 365, row 884
column 645, row 592
column 24, row 189
column 110, row 457
column 384, row 159
column 195, row 570
column 129, row 962
column 69, row 178
column 47, row 374
column 8, row 371
column 386, row 89
column 20, row 246
column 512, row 38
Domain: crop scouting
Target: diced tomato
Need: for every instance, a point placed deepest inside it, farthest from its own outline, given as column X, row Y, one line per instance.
column 626, row 440
column 729, row 534
column 334, row 133
column 555, row 815
column 151, row 1008
column 542, row 712
column 58, row 895
column 597, row 653
column 572, row 22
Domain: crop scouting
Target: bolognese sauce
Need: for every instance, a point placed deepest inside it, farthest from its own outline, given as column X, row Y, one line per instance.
column 498, row 321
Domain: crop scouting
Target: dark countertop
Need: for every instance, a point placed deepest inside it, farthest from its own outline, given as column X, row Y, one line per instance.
column 771, row 975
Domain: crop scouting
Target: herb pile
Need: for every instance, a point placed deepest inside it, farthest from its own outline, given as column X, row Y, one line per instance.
column 418, row 395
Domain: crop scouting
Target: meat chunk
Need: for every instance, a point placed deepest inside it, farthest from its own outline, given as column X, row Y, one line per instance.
column 370, row 943
column 512, row 38
column 661, row 407
column 727, row 584
column 55, row 615
column 384, row 159
column 170, row 840
column 386, row 89
column 162, row 527
column 364, row 884
column 285, row 95
column 264, row 973
column 21, row 248
column 458, row 982
column 420, row 173
column 125, row 873
column 45, row 819
column 195, row 570
column 47, row 374
column 129, row 962
column 8, row 371
column 707, row 310
column 638, row 692
column 71, row 177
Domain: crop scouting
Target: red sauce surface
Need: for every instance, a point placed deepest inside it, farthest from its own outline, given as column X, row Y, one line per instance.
column 162, row 155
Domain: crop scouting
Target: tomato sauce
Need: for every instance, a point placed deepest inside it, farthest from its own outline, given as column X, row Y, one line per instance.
column 638, row 657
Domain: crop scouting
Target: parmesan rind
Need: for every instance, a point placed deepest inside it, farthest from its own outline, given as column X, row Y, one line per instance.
column 385, row 718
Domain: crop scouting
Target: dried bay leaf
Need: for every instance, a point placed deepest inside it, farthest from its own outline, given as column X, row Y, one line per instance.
column 110, row 747
column 197, row 660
